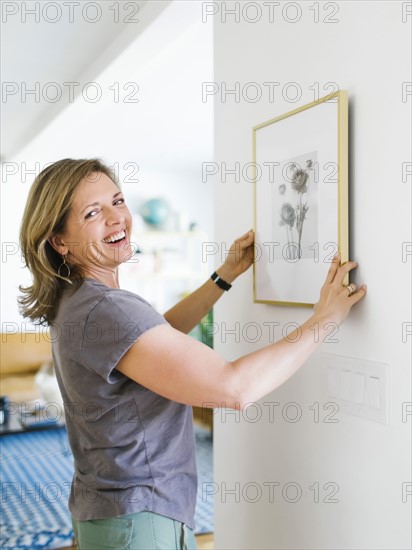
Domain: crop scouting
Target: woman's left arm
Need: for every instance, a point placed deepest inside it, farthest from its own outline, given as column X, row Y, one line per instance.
column 185, row 315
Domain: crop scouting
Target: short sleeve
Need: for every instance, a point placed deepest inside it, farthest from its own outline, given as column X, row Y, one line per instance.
column 112, row 326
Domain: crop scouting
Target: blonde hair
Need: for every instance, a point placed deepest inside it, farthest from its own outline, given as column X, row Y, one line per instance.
column 47, row 208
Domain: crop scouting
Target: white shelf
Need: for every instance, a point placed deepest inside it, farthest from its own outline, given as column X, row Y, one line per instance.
column 169, row 275
column 168, row 265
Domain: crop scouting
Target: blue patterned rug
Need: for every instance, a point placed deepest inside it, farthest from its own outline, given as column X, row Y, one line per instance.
column 36, row 473
column 204, row 517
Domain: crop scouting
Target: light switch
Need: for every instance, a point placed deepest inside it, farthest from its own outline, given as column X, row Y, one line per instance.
column 344, row 385
column 333, row 382
column 373, row 392
column 358, row 388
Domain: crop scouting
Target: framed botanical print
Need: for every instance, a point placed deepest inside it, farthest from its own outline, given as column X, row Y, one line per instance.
column 301, row 200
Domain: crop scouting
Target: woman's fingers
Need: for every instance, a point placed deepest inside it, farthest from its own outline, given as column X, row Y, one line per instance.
column 245, row 241
column 336, row 299
column 343, row 271
column 350, row 289
column 353, row 294
column 358, row 295
column 249, row 236
column 334, row 266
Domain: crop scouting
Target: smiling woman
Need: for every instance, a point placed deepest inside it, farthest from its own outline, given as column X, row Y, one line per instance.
column 96, row 236
column 49, row 205
column 135, row 480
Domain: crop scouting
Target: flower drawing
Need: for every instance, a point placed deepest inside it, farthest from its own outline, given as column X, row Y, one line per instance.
column 299, row 180
column 287, row 218
column 287, row 215
column 294, row 217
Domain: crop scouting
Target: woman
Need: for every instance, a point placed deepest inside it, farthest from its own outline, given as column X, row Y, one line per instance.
column 129, row 375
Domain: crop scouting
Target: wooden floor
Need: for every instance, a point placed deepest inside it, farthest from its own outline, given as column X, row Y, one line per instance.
column 204, row 542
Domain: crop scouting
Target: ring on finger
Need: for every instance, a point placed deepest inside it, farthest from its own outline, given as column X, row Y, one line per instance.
column 351, row 289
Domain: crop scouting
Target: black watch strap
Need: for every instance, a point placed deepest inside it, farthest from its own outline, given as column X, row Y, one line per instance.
column 220, row 282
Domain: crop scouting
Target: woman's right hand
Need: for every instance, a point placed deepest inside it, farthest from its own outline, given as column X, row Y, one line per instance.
column 335, row 300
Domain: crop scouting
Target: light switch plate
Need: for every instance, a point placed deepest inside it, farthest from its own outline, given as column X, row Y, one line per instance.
column 358, row 386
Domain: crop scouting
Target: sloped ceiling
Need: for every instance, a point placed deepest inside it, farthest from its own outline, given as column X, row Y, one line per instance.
column 42, row 49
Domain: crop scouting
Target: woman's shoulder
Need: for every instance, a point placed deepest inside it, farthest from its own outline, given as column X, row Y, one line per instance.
column 92, row 294
column 98, row 290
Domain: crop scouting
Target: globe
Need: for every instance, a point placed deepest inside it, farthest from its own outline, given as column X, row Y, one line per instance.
column 155, row 211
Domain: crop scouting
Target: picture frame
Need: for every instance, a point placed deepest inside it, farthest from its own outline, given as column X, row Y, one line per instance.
column 300, row 162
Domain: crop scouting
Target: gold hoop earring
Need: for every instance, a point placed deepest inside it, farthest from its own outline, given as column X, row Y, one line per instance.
column 64, row 266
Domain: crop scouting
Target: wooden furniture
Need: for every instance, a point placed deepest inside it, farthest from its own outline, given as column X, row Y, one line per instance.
column 22, row 354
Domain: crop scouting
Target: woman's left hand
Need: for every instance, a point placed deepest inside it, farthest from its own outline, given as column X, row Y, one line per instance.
column 239, row 258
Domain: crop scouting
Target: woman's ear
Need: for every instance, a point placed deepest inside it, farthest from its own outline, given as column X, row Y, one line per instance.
column 58, row 244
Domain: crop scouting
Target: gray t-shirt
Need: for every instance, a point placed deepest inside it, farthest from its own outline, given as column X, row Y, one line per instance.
column 133, row 449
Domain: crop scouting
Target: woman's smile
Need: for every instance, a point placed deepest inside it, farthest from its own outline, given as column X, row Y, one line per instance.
column 98, row 227
column 113, row 239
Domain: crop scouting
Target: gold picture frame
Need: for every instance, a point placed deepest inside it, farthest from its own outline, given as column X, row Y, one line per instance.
column 300, row 162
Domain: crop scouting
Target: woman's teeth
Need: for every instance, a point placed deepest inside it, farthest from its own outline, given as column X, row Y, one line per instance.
column 115, row 238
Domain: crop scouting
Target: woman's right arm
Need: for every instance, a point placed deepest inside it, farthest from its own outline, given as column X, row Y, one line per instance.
column 182, row 369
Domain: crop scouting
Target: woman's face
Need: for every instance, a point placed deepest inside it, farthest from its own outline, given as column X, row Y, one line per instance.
column 98, row 228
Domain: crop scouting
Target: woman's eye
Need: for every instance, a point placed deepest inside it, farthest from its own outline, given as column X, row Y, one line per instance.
column 91, row 214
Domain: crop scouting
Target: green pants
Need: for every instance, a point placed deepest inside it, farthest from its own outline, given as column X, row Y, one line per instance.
column 139, row 531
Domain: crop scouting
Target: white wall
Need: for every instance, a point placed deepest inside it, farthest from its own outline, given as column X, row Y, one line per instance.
column 158, row 142
column 367, row 53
